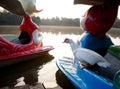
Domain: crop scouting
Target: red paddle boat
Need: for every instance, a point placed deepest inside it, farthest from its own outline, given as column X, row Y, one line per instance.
column 28, row 45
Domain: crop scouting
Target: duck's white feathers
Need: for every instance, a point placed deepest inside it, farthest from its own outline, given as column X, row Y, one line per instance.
column 90, row 57
column 87, row 55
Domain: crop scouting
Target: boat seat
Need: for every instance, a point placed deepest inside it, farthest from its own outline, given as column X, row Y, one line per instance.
column 12, row 38
column 24, row 37
column 16, row 41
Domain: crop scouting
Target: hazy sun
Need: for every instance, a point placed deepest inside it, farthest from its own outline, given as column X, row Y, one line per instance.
column 60, row 8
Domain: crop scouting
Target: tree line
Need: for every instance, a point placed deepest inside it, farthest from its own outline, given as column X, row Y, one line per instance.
column 7, row 18
column 60, row 21
column 69, row 22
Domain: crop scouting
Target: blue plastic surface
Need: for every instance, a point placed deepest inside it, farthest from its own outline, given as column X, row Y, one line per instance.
column 92, row 42
column 82, row 78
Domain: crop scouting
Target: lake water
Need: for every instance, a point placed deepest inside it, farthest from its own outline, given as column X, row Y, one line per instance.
column 43, row 69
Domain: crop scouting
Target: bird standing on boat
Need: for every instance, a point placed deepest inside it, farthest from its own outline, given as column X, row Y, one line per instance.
column 85, row 56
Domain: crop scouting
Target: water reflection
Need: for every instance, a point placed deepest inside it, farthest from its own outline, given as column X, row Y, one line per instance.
column 116, row 40
column 23, row 73
column 43, row 69
column 63, row 81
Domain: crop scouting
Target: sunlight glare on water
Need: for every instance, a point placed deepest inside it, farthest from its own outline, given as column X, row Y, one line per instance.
column 116, row 40
column 56, row 40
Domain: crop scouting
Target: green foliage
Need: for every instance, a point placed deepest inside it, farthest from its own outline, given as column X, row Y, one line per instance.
column 115, row 50
column 7, row 18
column 60, row 21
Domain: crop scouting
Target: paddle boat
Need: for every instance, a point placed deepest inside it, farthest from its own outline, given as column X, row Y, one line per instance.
column 92, row 65
column 87, row 78
column 89, row 70
column 26, row 46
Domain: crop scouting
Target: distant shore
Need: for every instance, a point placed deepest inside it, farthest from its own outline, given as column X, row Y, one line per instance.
column 6, row 29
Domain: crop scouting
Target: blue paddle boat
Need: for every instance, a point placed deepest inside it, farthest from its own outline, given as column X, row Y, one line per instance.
column 86, row 78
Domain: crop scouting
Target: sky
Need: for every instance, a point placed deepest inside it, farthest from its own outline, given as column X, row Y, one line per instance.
column 61, row 8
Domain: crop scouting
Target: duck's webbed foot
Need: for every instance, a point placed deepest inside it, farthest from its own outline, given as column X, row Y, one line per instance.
column 84, row 65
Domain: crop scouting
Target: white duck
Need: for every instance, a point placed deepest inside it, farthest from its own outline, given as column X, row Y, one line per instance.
column 85, row 56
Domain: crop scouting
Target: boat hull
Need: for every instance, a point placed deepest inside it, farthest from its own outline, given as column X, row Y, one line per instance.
column 23, row 56
column 82, row 78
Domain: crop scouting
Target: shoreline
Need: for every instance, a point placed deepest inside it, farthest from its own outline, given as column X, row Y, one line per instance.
column 6, row 29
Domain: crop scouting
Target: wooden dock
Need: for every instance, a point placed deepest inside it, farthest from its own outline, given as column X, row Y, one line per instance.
column 36, row 86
